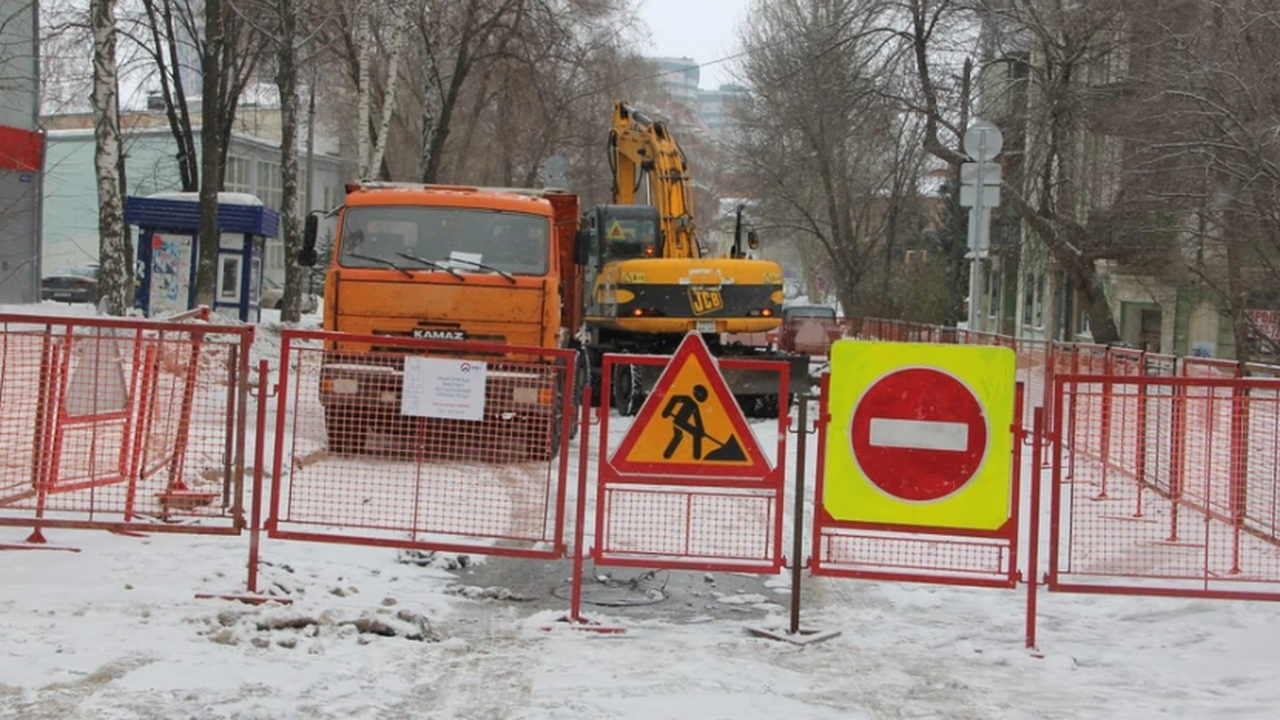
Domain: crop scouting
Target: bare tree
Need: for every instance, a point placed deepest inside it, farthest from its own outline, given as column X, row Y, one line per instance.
column 1208, row 82
column 501, row 83
column 1061, row 42
column 834, row 160
column 213, row 115
column 477, row 30
column 400, row 18
column 291, row 26
column 364, row 87
column 541, row 96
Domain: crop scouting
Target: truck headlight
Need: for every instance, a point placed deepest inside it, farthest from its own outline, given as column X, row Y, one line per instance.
column 344, row 386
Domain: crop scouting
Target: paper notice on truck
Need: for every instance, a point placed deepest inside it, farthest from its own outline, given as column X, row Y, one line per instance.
column 443, row 388
column 466, row 259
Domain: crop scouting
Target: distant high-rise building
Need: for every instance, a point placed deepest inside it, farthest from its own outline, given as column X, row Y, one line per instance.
column 714, row 107
column 701, row 111
column 679, row 78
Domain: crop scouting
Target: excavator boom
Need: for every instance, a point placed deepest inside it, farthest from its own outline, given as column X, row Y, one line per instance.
column 643, row 153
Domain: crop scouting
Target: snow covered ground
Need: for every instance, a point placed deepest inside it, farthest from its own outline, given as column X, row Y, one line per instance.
column 116, row 631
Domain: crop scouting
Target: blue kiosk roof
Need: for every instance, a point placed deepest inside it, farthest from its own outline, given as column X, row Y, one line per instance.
column 176, row 214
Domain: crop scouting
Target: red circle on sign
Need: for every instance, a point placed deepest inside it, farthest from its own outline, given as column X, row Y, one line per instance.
column 919, row 434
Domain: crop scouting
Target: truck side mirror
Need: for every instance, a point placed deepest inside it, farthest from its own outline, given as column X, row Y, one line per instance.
column 307, row 255
column 753, row 240
column 581, row 246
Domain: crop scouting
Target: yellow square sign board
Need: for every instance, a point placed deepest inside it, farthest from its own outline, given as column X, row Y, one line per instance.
column 920, row 435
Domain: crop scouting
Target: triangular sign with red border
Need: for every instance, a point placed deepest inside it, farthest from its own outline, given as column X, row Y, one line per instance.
column 691, row 424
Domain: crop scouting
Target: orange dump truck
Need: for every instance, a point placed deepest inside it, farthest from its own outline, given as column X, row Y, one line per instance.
column 450, row 263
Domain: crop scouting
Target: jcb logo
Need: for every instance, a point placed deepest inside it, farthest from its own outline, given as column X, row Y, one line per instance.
column 705, row 301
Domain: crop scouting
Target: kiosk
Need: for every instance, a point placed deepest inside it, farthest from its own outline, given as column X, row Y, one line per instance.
column 168, row 229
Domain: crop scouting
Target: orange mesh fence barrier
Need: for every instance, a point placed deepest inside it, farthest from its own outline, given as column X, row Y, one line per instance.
column 122, row 423
column 422, row 444
column 1167, row 486
column 1210, row 368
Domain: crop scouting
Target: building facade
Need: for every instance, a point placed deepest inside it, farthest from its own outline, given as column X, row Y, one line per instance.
column 21, row 153
column 253, row 167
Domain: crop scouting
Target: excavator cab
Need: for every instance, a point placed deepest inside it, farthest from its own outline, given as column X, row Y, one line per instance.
column 614, row 235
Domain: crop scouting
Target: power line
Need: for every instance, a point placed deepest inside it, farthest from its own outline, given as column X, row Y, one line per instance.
column 673, row 71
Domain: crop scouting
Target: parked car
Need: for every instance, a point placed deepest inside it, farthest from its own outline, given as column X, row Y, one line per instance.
column 273, row 293
column 72, row 285
column 809, row 329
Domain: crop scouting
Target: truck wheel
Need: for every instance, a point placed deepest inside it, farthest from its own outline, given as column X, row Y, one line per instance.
column 627, row 393
column 581, row 377
column 761, row 406
column 542, row 436
column 589, row 366
column 346, row 434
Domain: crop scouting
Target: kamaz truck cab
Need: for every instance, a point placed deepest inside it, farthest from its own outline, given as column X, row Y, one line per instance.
column 445, row 263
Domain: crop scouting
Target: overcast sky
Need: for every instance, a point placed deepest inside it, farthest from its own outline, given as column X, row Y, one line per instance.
column 704, row 30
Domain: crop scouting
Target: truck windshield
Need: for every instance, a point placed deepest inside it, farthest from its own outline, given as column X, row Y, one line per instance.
column 459, row 240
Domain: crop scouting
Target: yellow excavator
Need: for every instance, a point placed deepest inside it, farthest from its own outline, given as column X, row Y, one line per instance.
column 649, row 281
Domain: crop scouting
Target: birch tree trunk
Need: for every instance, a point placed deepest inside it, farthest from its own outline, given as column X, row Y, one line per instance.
column 114, row 273
column 364, row 38
column 393, row 77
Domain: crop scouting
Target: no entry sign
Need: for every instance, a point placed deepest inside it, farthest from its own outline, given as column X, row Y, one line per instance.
column 920, row 435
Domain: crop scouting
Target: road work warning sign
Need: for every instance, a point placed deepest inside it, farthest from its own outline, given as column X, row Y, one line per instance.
column 691, row 424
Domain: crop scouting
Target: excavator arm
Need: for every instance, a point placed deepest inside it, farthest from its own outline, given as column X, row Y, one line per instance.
column 642, row 153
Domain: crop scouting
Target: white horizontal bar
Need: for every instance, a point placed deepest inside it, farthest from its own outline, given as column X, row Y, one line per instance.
column 920, row 434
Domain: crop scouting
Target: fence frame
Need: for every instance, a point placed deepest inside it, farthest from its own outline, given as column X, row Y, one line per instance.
column 825, row 526
column 148, row 338
column 1178, row 398
column 557, row 545
column 772, row 486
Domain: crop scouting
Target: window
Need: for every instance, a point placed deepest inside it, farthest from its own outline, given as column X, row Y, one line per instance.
column 275, row 255
column 238, row 178
column 629, row 238
column 1028, row 299
column 994, row 294
column 229, row 278
column 270, row 184
column 1033, row 301
column 1037, row 317
column 332, row 197
column 302, row 187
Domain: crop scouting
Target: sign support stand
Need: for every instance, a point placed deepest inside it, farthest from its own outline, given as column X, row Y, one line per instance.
column 574, row 619
column 796, row 634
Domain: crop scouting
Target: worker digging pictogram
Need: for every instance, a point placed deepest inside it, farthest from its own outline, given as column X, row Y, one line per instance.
column 686, row 417
column 691, row 423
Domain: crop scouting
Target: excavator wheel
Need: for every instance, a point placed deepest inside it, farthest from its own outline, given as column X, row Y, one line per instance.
column 627, row 388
